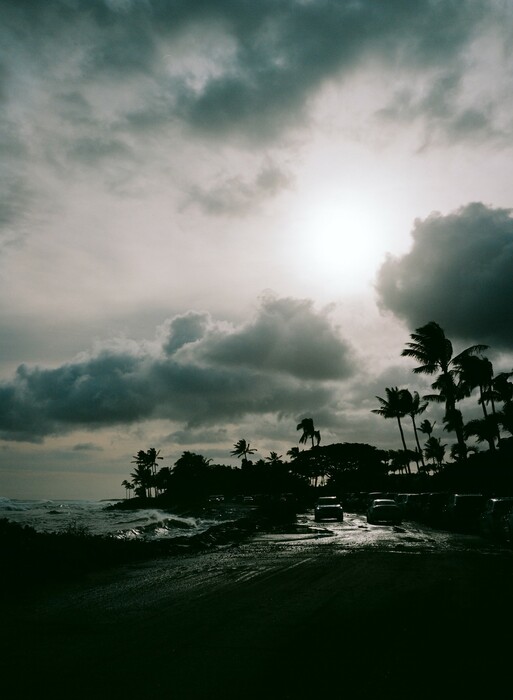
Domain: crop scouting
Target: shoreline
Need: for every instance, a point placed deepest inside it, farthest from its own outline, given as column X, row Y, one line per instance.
column 31, row 559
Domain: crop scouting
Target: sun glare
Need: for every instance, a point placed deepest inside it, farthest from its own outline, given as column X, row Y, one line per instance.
column 338, row 241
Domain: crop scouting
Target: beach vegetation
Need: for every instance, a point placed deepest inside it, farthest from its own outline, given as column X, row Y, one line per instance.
column 242, row 449
column 309, row 432
column 431, row 348
column 344, row 465
column 394, row 406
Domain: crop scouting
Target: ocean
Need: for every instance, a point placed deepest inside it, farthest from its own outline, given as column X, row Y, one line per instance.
column 95, row 518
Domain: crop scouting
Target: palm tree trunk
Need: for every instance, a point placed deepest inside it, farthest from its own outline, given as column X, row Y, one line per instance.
column 450, row 409
column 494, row 414
column 417, row 441
column 404, row 442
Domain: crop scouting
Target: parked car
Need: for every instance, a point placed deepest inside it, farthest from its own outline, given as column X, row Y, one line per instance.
column 372, row 495
column 507, row 527
column 491, row 520
column 432, row 507
column 463, row 511
column 409, row 503
column 328, row 508
column 384, row 510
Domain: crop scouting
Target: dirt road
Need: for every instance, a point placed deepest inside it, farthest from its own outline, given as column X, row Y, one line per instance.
column 320, row 609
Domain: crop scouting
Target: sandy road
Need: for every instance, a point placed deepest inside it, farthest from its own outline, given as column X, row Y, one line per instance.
column 289, row 614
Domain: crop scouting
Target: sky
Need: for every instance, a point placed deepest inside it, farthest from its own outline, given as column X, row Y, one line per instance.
column 220, row 217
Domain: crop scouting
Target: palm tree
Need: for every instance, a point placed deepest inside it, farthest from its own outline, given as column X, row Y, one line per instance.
column 453, row 423
column 141, row 478
column 506, row 417
column 427, row 427
column 293, row 453
column 128, row 487
column 242, row 450
column 477, row 372
column 163, row 479
column 500, row 391
column 503, row 389
column 483, row 429
column 413, row 407
column 399, row 460
column 309, row 432
column 394, row 406
column 151, row 456
column 433, row 350
column 434, row 450
column 148, row 460
column 274, row 459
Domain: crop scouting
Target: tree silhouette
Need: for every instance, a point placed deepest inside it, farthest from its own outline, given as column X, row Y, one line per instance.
column 147, row 463
column 483, row 429
column 293, row 453
column 309, row 432
column 242, row 449
column 413, row 407
column 434, row 450
column 502, row 391
column 433, row 350
column 152, row 455
column 477, row 372
column 141, row 477
column 399, row 460
column 128, row 487
column 427, row 427
column 274, row 459
column 394, row 406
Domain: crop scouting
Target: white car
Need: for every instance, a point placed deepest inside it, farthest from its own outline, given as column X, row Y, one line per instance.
column 328, row 508
column 384, row 510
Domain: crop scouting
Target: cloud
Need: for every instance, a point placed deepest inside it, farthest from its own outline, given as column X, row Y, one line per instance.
column 287, row 336
column 200, row 373
column 228, row 66
column 237, row 196
column 86, row 447
column 458, row 273
column 447, row 112
column 183, row 330
column 128, row 95
column 198, row 437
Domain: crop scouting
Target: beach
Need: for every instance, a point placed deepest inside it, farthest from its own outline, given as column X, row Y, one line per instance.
column 276, row 615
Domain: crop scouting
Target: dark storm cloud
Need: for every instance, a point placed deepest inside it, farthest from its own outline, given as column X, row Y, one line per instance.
column 199, row 375
column 277, row 54
column 458, row 273
column 87, row 85
column 287, row 336
column 183, row 330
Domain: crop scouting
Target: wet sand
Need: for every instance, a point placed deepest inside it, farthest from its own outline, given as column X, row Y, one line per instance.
column 265, row 619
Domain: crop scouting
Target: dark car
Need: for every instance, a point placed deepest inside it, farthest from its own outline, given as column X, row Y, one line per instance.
column 409, row 503
column 328, row 508
column 491, row 520
column 384, row 510
column 433, row 506
column 464, row 510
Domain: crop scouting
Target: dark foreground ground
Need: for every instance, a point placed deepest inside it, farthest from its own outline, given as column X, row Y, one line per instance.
column 271, row 618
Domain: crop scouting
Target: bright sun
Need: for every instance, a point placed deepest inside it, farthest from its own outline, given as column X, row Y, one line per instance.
column 338, row 242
